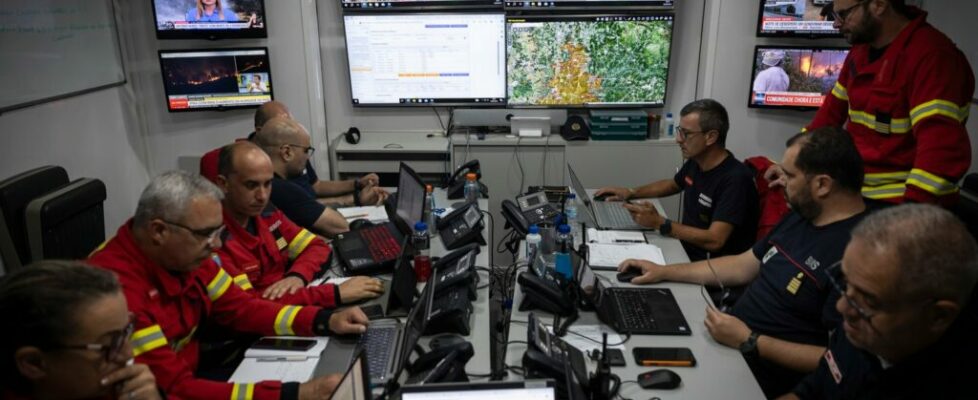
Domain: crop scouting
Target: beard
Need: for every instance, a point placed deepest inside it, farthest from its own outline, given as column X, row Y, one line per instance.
column 803, row 204
column 868, row 29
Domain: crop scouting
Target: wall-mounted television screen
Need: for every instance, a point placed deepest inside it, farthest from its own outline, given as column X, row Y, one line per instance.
column 426, row 59
column 794, row 77
column 589, row 4
column 395, row 5
column 588, row 60
column 219, row 79
column 209, row 19
column 796, row 18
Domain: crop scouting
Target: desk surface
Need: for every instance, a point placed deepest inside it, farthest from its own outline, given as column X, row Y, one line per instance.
column 720, row 372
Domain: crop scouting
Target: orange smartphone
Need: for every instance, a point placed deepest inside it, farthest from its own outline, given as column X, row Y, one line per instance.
column 664, row 356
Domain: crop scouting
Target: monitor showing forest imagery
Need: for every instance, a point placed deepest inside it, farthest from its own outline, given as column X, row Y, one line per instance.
column 588, row 61
column 794, row 77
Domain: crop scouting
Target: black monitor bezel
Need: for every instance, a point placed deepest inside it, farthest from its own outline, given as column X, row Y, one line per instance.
column 753, row 73
column 166, row 90
column 578, row 5
column 212, row 34
column 560, row 17
column 426, row 5
column 788, row 34
column 468, row 103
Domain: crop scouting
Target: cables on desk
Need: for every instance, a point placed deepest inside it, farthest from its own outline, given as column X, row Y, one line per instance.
column 628, row 336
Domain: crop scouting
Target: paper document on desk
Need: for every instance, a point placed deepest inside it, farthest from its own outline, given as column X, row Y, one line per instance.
column 372, row 213
column 314, row 351
column 610, row 255
column 592, row 332
column 615, row 237
column 255, row 370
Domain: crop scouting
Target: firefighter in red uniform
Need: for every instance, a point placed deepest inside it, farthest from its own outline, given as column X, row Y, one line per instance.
column 273, row 256
column 173, row 284
column 903, row 94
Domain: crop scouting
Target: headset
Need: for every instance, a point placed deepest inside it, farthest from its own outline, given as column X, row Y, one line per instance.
column 352, row 135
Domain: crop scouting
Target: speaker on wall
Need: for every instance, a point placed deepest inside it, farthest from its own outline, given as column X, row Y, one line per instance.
column 576, row 128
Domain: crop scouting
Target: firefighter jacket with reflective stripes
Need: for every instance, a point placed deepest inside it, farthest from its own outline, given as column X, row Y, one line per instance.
column 168, row 307
column 279, row 249
column 906, row 112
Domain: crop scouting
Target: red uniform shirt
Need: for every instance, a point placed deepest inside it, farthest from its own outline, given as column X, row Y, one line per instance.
column 169, row 307
column 906, row 113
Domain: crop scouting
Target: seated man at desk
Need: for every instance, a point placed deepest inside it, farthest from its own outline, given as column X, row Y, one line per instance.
column 330, row 193
column 909, row 304
column 720, row 210
column 270, row 255
column 173, row 283
column 781, row 322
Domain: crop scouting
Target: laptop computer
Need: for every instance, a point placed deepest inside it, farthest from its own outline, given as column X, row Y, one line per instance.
column 374, row 249
column 389, row 343
column 605, row 214
column 355, row 384
column 637, row 311
column 526, row 390
column 399, row 291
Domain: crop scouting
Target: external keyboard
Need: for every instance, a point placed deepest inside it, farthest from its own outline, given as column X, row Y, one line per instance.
column 379, row 341
column 383, row 247
column 635, row 310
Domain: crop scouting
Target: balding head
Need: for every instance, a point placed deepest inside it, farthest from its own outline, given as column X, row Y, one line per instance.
column 246, row 177
column 268, row 111
column 240, row 155
column 280, row 130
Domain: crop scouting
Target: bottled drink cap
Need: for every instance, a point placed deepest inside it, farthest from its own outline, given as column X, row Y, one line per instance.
column 571, row 196
column 428, row 188
column 420, row 226
column 470, row 176
column 563, row 228
column 534, row 229
column 668, row 115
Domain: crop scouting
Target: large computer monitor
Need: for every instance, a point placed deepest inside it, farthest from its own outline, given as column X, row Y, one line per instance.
column 589, row 4
column 796, row 18
column 611, row 60
column 396, row 5
column 219, row 79
column 190, row 19
column 528, row 390
column 430, row 59
column 794, row 77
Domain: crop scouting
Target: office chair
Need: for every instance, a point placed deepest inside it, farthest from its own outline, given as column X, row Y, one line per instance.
column 15, row 193
column 68, row 222
column 967, row 207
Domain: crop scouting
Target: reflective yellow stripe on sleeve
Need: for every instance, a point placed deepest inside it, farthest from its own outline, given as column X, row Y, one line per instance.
column 218, row 285
column 243, row 282
column 243, row 391
column 885, row 178
column 884, row 191
column 931, row 183
column 939, row 107
column 284, row 319
column 840, row 92
column 299, row 243
column 896, row 125
column 147, row 339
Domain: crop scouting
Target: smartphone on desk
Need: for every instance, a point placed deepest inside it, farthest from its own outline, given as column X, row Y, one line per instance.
column 664, row 356
column 268, row 343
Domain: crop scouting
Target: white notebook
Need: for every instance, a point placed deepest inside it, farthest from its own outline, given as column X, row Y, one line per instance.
column 610, row 255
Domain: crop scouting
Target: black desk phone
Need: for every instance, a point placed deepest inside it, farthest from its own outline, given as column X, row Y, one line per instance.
column 536, row 208
column 461, row 226
column 457, row 269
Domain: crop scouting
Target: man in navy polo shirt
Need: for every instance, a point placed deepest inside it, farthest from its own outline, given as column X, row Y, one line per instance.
column 781, row 323
column 720, row 206
column 908, row 301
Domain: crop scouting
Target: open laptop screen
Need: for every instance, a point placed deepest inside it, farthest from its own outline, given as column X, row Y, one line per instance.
column 410, row 196
column 356, row 383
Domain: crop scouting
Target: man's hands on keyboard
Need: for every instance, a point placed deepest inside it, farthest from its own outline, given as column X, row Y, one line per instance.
column 360, row 288
column 319, row 388
column 348, row 321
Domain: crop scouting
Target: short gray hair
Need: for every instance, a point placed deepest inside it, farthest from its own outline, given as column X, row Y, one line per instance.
column 169, row 195
column 712, row 116
column 936, row 255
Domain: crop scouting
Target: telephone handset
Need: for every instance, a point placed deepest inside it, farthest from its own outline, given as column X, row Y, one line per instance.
column 514, row 218
column 539, row 293
column 442, row 364
column 456, row 184
column 461, row 227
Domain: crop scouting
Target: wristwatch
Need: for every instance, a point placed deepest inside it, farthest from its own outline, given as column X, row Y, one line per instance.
column 666, row 228
column 749, row 347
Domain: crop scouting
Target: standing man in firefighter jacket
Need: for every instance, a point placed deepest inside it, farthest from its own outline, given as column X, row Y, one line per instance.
column 903, row 93
column 272, row 256
column 173, row 283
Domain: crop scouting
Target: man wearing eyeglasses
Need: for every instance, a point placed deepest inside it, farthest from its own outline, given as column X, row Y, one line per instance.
column 908, row 301
column 272, row 256
column 720, row 204
column 174, row 283
column 781, row 322
column 903, row 94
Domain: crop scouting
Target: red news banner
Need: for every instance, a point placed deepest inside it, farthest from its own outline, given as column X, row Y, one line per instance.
column 793, row 99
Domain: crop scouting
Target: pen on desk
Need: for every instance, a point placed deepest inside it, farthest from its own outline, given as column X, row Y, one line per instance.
column 666, row 363
column 628, row 241
column 356, row 216
column 282, row 358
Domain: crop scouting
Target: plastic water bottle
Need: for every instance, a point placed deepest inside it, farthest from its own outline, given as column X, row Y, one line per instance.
column 570, row 209
column 562, row 262
column 533, row 240
column 429, row 212
column 670, row 127
column 471, row 187
column 422, row 260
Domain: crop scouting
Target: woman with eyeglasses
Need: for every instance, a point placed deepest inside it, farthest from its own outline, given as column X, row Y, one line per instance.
column 66, row 336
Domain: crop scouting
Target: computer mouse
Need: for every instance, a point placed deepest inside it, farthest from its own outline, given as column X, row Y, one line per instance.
column 659, row 379
column 361, row 223
column 628, row 275
column 602, row 196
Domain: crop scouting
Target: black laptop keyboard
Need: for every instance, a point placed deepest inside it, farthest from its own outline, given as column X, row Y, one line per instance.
column 379, row 342
column 635, row 310
column 383, row 246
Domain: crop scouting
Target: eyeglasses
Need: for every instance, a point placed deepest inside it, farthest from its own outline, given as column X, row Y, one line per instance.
column 841, row 15
column 109, row 351
column 683, row 133
column 206, row 233
column 724, row 302
column 839, row 283
column 309, row 150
